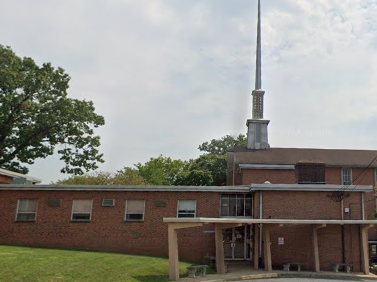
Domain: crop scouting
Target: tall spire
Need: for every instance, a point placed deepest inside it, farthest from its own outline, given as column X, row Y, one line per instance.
column 257, row 135
column 258, row 65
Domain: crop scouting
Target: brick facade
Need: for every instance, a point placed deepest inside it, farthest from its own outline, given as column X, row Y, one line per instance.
column 107, row 230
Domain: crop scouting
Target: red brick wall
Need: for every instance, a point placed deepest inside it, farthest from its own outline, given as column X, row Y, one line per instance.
column 259, row 176
column 6, row 179
column 107, row 230
column 298, row 238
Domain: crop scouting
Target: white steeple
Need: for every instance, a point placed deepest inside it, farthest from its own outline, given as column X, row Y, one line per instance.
column 257, row 135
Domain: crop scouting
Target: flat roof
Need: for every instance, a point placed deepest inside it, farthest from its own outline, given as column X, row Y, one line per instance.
column 126, row 188
column 204, row 189
column 310, row 187
column 268, row 221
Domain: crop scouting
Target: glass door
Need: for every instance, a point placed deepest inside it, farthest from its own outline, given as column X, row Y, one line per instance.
column 237, row 243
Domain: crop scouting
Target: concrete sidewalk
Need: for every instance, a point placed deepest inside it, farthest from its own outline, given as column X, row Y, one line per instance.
column 249, row 274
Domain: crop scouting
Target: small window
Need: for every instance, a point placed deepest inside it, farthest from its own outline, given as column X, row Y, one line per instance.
column 346, row 176
column 108, row 202
column 82, row 210
column 26, row 210
column 135, row 210
column 186, row 208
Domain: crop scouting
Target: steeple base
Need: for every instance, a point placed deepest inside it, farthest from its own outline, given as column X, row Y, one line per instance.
column 257, row 135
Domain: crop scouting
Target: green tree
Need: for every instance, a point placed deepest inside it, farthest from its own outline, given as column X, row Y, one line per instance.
column 221, row 146
column 126, row 176
column 161, row 170
column 37, row 118
column 194, row 177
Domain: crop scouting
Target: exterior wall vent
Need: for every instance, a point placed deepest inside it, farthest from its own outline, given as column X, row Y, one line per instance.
column 108, row 202
column 52, row 203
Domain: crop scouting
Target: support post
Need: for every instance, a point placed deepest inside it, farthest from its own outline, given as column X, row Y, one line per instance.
column 173, row 254
column 315, row 246
column 220, row 263
column 364, row 248
column 256, row 246
column 173, row 247
column 267, row 248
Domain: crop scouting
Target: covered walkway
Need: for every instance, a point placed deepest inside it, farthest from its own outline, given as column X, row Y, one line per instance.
column 223, row 223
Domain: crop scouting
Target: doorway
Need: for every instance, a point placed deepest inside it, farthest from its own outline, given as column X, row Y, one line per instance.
column 238, row 243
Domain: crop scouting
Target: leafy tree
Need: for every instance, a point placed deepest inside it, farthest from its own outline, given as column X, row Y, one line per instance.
column 161, row 170
column 37, row 118
column 216, row 165
column 221, row 146
column 194, row 177
column 127, row 176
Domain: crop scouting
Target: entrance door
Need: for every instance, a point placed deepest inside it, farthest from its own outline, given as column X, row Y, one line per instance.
column 237, row 243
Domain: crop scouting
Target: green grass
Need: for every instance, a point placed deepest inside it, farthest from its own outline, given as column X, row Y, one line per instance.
column 41, row 265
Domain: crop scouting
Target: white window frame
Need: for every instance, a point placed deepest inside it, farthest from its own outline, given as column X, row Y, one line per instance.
column 130, row 213
column 73, row 213
column 181, row 213
column 19, row 213
column 350, row 176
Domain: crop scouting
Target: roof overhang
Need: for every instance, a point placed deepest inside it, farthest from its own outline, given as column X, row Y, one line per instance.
column 206, row 220
column 128, row 188
column 310, row 187
column 13, row 174
column 267, row 166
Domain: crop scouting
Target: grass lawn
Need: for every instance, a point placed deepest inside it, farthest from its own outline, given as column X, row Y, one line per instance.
column 34, row 264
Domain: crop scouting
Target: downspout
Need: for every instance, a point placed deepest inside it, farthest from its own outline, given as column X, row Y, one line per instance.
column 343, row 238
column 362, row 206
column 260, row 225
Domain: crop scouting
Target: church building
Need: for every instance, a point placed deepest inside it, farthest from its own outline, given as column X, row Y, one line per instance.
column 314, row 207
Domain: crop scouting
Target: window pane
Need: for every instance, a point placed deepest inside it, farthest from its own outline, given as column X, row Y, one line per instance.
column 186, row 208
column 27, row 205
column 134, row 216
column 232, row 205
column 80, row 206
column 81, row 216
column 224, row 206
column 25, row 217
column 240, row 206
column 248, row 207
column 135, row 206
column 186, row 205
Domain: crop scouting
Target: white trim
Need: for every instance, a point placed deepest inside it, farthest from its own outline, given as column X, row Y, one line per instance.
column 265, row 166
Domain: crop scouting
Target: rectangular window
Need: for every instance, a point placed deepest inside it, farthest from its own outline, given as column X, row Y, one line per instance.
column 135, row 210
column 26, row 210
column 236, row 205
column 82, row 210
column 346, row 176
column 186, row 208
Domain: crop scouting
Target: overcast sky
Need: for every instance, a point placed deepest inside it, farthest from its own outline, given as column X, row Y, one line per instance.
column 168, row 75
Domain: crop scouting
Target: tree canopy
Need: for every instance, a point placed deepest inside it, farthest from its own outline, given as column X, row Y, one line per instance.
column 37, row 119
column 126, row 176
column 206, row 170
